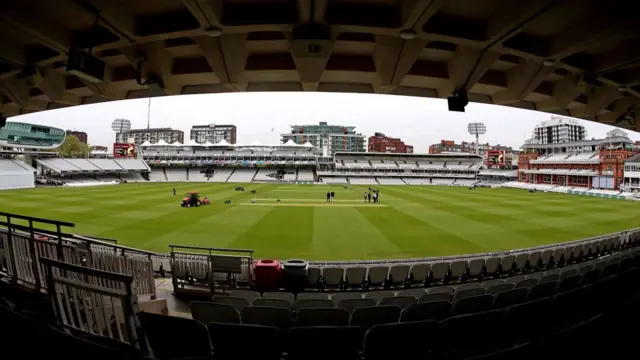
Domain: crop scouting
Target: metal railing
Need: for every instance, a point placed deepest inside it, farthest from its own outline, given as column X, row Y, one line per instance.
column 22, row 246
column 93, row 301
column 208, row 267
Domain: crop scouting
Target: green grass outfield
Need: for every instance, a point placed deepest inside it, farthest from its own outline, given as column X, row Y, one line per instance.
column 410, row 221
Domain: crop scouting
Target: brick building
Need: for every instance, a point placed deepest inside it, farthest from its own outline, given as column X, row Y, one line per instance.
column 385, row 144
column 81, row 135
column 597, row 163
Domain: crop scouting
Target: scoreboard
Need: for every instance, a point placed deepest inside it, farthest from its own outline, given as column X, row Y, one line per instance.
column 124, row 150
column 495, row 157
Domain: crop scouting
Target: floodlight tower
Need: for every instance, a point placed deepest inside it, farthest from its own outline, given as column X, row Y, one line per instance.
column 477, row 129
column 120, row 126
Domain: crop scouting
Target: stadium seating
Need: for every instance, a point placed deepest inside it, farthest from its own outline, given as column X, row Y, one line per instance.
column 82, row 164
column 266, row 174
column 176, row 174
column 15, row 174
column 391, row 181
column 334, row 180
column 132, row 164
column 157, row 174
column 454, row 322
column 221, row 175
column 106, row 164
column 242, row 175
column 305, row 175
column 132, row 177
column 197, row 174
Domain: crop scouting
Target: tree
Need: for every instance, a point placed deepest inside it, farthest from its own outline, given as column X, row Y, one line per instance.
column 72, row 147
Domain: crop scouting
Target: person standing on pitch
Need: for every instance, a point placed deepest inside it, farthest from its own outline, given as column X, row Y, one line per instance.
column 333, row 194
column 328, row 196
column 375, row 197
column 365, row 196
column 174, row 191
column 369, row 196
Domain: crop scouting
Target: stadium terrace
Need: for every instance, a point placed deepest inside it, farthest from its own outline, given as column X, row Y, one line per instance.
column 381, row 289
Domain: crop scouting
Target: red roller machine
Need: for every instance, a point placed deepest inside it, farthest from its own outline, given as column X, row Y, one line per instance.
column 267, row 275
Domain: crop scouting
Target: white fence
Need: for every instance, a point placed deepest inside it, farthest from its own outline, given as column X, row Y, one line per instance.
column 20, row 255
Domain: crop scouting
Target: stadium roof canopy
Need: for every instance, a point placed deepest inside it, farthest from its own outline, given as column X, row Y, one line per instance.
column 570, row 57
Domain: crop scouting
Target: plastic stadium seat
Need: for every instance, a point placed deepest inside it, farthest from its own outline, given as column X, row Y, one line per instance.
column 267, row 316
column 207, row 312
column 419, row 273
column 435, row 297
column 337, row 297
column 249, row 295
column 411, row 340
column 492, row 265
column 567, row 254
column 591, row 276
column 244, row 341
column 351, row 304
column 475, row 267
column 535, row 259
column 467, row 293
column 567, row 272
column 313, row 303
column 515, row 279
column 279, row 295
column 322, row 317
column 398, row 275
column 400, row 301
column 441, row 290
column 237, row 302
column 417, row 293
column 325, row 342
column 461, row 287
column 314, row 276
column 487, row 324
column 432, row 310
column 528, row 320
column 573, row 306
column 610, row 269
column 279, row 303
column 496, row 289
column 545, row 258
column 489, row 283
column 333, row 277
column 355, row 276
column 521, row 261
column 509, row 297
column 472, row 304
column 311, row 295
column 377, row 275
column 366, row 317
column 558, row 256
column 526, row 283
column 379, row 295
column 164, row 332
column 458, row 269
column 439, row 271
column 542, row 290
column 569, row 283
column 507, row 263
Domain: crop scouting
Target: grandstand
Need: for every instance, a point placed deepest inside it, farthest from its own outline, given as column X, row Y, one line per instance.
column 582, row 165
column 15, row 174
column 402, row 169
column 92, row 172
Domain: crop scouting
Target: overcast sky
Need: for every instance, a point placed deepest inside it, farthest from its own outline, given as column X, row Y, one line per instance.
column 264, row 116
